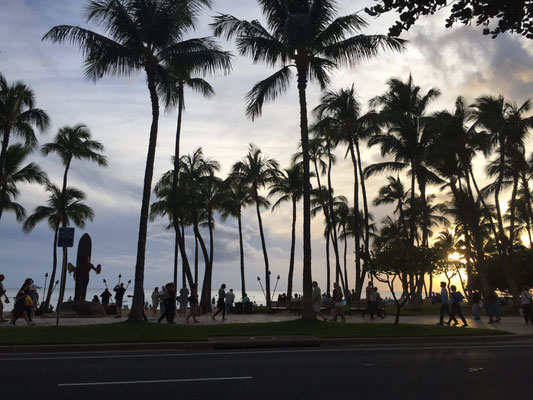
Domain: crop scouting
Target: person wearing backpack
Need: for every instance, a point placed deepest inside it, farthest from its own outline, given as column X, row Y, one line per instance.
column 455, row 299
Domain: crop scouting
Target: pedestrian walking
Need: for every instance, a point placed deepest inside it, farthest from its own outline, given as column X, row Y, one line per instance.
column 22, row 304
column 169, row 301
column 444, row 303
column 119, row 297
column 193, row 303
column 525, row 298
column 489, row 301
column 221, row 303
column 336, row 299
column 369, row 307
column 2, row 293
column 376, row 301
column 155, row 301
column 476, row 299
column 456, row 298
column 184, row 295
column 230, row 298
column 317, row 301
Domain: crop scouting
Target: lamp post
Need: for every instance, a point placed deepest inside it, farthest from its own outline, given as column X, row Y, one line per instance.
column 105, row 283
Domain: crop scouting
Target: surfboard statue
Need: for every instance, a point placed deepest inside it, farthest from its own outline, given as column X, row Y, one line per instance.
column 83, row 267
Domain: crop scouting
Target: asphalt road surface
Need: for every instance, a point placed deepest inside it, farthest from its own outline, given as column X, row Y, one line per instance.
column 454, row 371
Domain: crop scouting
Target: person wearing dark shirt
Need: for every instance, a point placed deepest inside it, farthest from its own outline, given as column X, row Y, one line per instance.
column 476, row 299
column 455, row 299
column 106, row 295
column 170, row 304
column 119, row 295
column 96, row 299
column 221, row 304
column 337, row 302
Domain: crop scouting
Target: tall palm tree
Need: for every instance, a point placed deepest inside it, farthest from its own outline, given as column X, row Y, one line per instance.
column 139, row 35
column 508, row 129
column 305, row 35
column 259, row 172
column 18, row 117
column 204, row 57
column 403, row 115
column 341, row 111
column 72, row 142
column 237, row 196
column 60, row 203
column 394, row 192
column 289, row 187
column 15, row 174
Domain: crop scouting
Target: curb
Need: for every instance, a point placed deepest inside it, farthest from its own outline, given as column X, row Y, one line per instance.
column 272, row 342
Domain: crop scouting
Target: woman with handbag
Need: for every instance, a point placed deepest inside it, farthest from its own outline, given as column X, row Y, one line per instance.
column 22, row 304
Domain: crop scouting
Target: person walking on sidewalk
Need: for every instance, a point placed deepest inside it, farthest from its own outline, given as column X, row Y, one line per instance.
column 476, row 299
column 317, row 300
column 444, row 303
column 376, row 301
column 155, row 301
column 170, row 307
column 221, row 303
column 456, row 298
column 230, row 298
column 193, row 302
column 369, row 306
column 526, row 300
column 338, row 304
column 2, row 293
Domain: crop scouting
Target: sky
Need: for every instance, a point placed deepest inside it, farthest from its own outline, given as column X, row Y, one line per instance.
column 458, row 61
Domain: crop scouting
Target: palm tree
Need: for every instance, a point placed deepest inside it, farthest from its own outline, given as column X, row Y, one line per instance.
column 259, row 172
column 204, row 57
column 289, row 187
column 142, row 35
column 237, row 196
column 18, row 117
column 394, row 192
column 72, row 142
column 195, row 170
column 508, row 130
column 67, row 202
column 341, row 112
column 307, row 36
column 15, row 174
column 403, row 114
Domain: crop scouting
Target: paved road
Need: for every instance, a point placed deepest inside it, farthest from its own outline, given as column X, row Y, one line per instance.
column 459, row 371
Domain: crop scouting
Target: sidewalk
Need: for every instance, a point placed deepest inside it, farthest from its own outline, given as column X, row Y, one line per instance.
column 514, row 325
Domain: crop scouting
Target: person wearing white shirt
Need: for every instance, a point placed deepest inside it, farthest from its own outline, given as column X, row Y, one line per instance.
column 527, row 301
column 230, row 298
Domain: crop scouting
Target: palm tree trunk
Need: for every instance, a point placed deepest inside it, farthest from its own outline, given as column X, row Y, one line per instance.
column 184, row 259
column 307, row 304
column 138, row 290
column 366, row 256
column 412, row 220
column 487, row 212
column 206, row 286
column 293, row 243
column 5, row 143
column 263, row 245
column 512, row 210
column 65, row 249
column 174, row 196
column 54, row 267
column 241, row 251
column 345, row 253
column 328, row 263
column 359, row 276
column 527, row 195
column 195, row 257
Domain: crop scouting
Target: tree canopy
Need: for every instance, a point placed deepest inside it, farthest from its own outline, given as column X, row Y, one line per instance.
column 495, row 16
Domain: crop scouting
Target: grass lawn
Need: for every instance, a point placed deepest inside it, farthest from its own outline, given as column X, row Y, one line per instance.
column 124, row 332
column 434, row 309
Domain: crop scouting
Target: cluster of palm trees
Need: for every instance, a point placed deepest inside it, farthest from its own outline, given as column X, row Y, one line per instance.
column 19, row 120
column 309, row 38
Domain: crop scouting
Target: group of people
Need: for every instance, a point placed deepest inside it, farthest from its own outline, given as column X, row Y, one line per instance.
column 225, row 302
column 166, row 299
column 26, row 302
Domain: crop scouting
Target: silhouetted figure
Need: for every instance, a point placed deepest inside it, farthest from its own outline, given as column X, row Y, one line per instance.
column 456, row 298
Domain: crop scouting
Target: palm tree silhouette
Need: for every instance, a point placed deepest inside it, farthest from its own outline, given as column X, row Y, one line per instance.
column 72, row 142
column 259, row 172
column 304, row 35
column 15, row 174
column 140, row 35
column 237, row 196
column 60, row 203
column 18, row 117
column 288, row 185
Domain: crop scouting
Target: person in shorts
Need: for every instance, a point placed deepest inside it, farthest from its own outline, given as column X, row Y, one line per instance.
column 317, row 301
column 2, row 293
column 338, row 304
column 119, row 296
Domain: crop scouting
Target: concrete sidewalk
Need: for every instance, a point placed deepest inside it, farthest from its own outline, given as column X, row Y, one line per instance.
column 514, row 325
